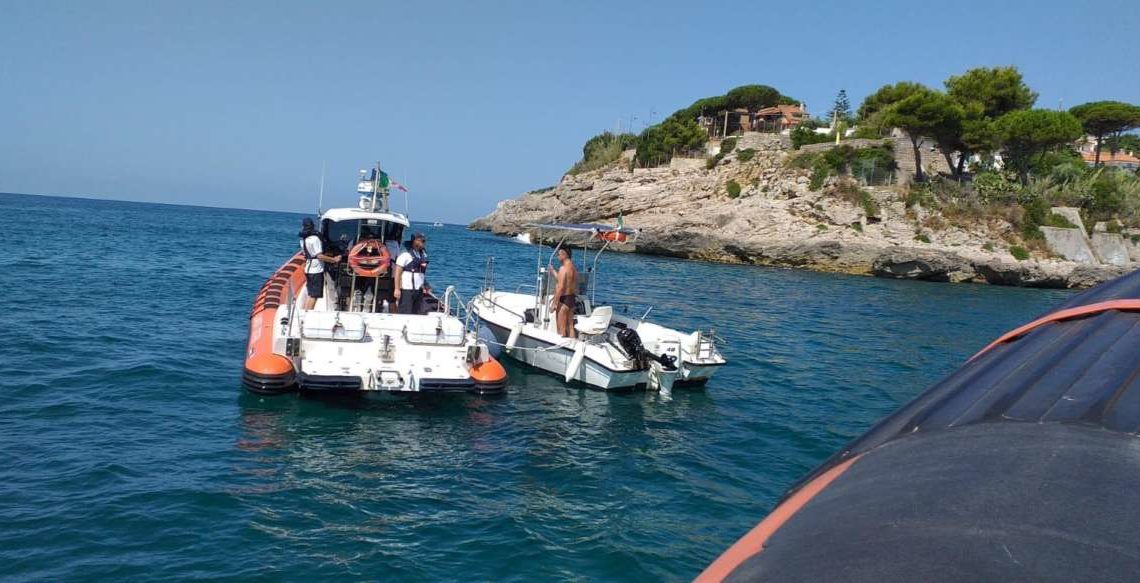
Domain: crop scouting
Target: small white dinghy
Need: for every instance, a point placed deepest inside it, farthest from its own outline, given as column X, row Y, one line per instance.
column 611, row 351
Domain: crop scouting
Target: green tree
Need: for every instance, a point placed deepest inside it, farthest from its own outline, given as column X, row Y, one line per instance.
column 885, row 96
column 657, row 144
column 997, row 90
column 703, row 106
column 925, row 112
column 747, row 96
column 752, row 97
column 1123, row 143
column 985, row 94
column 1106, row 118
column 1028, row 132
column 841, row 110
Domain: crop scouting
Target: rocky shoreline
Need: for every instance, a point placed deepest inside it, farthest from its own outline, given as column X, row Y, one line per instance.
column 685, row 211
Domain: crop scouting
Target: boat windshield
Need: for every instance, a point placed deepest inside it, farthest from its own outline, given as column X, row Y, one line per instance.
column 344, row 234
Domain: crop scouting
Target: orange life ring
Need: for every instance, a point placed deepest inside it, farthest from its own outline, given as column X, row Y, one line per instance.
column 369, row 265
column 612, row 236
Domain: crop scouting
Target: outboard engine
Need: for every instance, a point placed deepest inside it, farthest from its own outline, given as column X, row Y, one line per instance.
column 630, row 343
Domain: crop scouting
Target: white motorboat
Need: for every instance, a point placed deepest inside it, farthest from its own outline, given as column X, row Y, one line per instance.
column 612, row 350
column 349, row 341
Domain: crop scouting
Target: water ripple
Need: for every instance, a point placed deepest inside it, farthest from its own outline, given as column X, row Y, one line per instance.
column 130, row 451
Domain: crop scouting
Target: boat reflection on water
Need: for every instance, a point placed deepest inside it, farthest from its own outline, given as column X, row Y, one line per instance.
column 365, row 480
column 415, row 433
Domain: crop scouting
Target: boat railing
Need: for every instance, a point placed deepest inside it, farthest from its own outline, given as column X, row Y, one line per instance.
column 592, row 286
column 462, row 309
column 489, row 275
column 290, row 310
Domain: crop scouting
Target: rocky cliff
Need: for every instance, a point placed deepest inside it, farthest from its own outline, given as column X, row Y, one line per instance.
column 686, row 211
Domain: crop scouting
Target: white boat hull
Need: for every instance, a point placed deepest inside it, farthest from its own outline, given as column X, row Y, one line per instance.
column 602, row 365
column 555, row 360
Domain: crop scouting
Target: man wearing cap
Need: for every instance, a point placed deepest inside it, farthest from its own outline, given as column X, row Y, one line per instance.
column 411, row 271
column 315, row 257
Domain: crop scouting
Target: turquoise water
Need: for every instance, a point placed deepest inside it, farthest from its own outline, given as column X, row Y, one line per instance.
column 130, row 449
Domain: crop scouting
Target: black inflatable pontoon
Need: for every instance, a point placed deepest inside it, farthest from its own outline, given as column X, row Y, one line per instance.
column 1023, row 465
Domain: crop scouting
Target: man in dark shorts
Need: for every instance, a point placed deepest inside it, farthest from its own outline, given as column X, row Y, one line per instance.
column 565, row 297
column 411, row 271
column 315, row 258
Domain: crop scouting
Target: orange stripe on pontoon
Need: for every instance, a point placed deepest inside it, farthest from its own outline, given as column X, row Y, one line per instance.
column 1059, row 316
column 753, row 542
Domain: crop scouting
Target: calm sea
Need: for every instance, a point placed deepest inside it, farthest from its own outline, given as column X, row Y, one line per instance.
column 129, row 449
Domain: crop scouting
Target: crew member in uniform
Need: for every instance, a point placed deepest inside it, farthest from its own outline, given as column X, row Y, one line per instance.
column 411, row 271
column 315, row 258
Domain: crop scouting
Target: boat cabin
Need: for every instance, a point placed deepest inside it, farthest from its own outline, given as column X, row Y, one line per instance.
column 344, row 227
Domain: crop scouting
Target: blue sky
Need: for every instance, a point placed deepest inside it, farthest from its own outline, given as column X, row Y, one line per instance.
column 239, row 103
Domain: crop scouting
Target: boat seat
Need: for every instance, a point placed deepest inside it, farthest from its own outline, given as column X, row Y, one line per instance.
column 434, row 329
column 333, row 326
column 597, row 322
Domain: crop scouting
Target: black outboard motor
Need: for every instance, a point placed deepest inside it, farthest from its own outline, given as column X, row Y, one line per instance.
column 630, row 343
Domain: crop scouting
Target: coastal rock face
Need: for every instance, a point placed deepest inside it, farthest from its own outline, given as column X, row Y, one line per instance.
column 909, row 263
column 778, row 220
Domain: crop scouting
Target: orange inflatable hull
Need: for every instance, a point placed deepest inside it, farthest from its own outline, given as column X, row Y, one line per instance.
column 489, row 376
column 266, row 371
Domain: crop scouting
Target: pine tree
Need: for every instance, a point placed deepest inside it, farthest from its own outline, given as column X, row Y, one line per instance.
column 842, row 108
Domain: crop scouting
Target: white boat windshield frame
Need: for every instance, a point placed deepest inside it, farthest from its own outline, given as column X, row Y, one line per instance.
column 596, row 232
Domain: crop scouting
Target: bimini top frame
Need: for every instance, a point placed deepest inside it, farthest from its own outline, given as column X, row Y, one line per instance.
column 606, row 234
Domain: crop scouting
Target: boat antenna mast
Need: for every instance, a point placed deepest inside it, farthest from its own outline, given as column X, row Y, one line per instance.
column 321, row 196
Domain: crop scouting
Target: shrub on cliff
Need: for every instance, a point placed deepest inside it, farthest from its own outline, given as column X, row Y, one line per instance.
column 601, row 150
column 848, row 190
column 726, row 147
column 733, row 189
column 1019, row 253
column 872, row 165
column 1101, row 194
column 994, row 187
column 802, row 136
column 657, row 144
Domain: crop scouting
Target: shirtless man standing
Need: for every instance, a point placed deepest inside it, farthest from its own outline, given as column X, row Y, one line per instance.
column 565, row 294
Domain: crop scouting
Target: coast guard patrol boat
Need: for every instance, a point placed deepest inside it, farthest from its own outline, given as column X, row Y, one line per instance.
column 348, row 341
